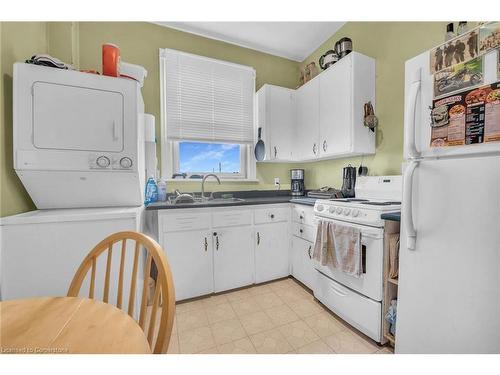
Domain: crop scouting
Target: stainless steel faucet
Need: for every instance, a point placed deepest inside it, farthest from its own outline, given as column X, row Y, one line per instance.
column 203, row 183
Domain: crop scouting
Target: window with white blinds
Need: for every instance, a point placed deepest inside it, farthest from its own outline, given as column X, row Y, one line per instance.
column 205, row 99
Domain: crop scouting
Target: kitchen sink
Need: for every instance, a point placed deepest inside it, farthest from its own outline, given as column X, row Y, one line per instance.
column 198, row 201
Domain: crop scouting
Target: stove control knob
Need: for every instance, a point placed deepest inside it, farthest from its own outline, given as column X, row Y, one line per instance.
column 103, row 162
column 339, row 210
column 355, row 213
column 331, row 210
column 347, row 211
column 320, row 208
column 125, row 162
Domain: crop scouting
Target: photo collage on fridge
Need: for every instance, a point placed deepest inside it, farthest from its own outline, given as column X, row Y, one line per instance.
column 465, row 111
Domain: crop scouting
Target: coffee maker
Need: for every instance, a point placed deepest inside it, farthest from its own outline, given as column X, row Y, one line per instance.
column 297, row 182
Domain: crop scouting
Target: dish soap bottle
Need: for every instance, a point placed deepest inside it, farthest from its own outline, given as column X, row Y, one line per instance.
column 151, row 195
column 162, row 190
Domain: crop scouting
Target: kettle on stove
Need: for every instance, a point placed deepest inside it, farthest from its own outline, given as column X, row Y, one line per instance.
column 349, row 181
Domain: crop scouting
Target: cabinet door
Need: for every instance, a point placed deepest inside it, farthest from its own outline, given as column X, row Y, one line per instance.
column 271, row 251
column 335, row 121
column 233, row 257
column 302, row 263
column 280, row 122
column 189, row 254
column 307, row 125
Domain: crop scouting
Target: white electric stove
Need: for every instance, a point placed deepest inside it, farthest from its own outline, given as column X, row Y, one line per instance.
column 359, row 300
column 375, row 195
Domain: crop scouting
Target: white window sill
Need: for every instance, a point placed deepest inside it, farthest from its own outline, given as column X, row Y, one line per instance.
column 198, row 180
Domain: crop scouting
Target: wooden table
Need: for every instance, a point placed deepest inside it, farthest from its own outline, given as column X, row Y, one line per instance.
column 68, row 325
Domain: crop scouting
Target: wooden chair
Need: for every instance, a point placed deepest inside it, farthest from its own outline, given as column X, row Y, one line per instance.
column 164, row 294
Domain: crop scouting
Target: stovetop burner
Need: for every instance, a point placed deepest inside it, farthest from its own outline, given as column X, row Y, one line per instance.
column 381, row 203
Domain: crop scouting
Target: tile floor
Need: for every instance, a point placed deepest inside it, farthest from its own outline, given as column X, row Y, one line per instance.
column 275, row 318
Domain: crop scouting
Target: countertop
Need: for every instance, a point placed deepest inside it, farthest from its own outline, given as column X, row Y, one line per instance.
column 251, row 198
column 392, row 216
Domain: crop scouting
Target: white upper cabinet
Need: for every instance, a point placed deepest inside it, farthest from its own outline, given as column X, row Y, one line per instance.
column 307, row 122
column 344, row 89
column 327, row 113
column 275, row 117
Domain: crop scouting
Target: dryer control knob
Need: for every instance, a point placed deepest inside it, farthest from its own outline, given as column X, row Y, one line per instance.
column 103, row 161
column 125, row 162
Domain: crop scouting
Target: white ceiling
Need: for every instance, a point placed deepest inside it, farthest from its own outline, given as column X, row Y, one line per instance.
column 292, row 40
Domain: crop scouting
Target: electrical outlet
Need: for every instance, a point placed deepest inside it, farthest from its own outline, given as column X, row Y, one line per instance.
column 276, row 181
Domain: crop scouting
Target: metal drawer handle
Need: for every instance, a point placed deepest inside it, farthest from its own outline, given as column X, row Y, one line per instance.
column 272, row 216
column 314, row 149
column 258, row 238
column 325, row 146
column 275, row 151
column 301, row 230
column 217, row 243
column 206, row 244
column 309, row 252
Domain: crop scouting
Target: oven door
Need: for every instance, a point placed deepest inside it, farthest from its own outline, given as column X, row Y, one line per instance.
column 370, row 283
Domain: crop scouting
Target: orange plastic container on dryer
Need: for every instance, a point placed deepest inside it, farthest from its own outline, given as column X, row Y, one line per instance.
column 110, row 60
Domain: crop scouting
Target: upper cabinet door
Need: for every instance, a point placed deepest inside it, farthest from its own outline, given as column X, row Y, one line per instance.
column 280, row 124
column 77, row 118
column 335, row 109
column 307, row 126
column 275, row 115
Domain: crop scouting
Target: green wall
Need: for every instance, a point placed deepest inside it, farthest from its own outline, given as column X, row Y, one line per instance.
column 390, row 44
column 80, row 43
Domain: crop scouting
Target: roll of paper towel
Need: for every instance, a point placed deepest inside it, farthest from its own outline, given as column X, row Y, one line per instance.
column 149, row 128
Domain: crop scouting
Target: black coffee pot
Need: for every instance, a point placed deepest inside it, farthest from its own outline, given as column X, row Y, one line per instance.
column 349, row 181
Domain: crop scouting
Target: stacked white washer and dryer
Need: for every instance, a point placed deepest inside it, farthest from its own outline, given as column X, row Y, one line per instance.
column 79, row 152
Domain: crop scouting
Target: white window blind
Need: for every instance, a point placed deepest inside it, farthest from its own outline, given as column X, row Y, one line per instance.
column 205, row 99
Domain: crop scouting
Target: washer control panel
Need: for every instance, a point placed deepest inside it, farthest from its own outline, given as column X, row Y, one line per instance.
column 107, row 161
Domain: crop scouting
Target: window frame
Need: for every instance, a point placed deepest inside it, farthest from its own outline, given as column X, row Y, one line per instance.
column 169, row 150
column 170, row 163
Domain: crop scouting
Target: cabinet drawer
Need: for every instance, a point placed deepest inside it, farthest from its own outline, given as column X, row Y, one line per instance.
column 303, row 214
column 356, row 309
column 231, row 217
column 307, row 232
column 271, row 215
column 185, row 221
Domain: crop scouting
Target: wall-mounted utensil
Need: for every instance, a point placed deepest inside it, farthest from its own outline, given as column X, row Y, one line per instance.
column 370, row 120
column 260, row 147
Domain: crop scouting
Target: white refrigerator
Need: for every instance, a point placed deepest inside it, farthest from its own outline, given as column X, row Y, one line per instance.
column 449, row 279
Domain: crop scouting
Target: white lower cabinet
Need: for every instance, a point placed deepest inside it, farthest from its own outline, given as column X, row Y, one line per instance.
column 233, row 257
column 189, row 255
column 271, row 251
column 302, row 263
column 215, row 249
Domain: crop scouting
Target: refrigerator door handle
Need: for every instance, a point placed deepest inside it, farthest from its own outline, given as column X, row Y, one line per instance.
column 407, row 208
column 411, row 107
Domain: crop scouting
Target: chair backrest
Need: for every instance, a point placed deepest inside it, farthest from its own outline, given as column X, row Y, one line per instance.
column 163, row 297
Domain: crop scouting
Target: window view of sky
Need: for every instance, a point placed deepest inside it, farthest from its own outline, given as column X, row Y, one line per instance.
column 197, row 157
